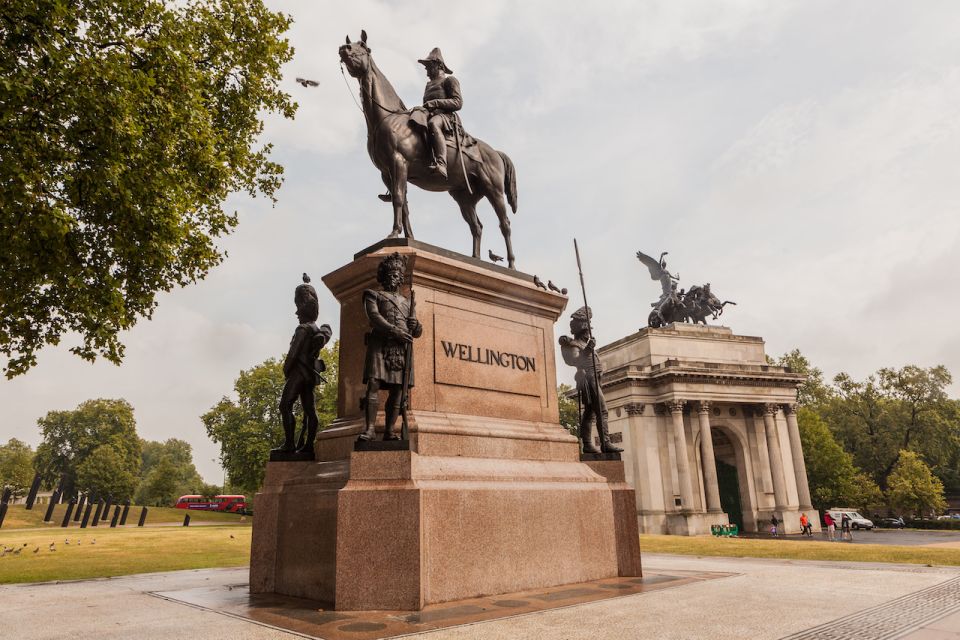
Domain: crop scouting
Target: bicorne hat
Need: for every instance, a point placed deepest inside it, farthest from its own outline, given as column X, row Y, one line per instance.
column 435, row 56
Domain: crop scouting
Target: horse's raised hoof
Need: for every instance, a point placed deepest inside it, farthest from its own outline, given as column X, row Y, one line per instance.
column 386, row 197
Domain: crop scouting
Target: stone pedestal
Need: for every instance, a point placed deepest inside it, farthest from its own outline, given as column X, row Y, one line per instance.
column 491, row 496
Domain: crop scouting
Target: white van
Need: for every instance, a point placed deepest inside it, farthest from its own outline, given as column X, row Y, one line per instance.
column 857, row 521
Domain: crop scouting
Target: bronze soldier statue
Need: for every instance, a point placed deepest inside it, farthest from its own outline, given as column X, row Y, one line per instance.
column 441, row 99
column 393, row 326
column 580, row 352
column 301, row 369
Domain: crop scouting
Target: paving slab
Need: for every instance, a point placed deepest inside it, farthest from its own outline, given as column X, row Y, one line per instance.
column 766, row 599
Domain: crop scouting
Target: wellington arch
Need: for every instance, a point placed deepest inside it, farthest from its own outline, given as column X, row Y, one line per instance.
column 710, row 396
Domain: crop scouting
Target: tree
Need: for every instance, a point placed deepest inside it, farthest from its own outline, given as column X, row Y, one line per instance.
column 814, row 391
column 834, row 479
column 167, row 472
column 16, row 467
column 248, row 427
column 569, row 411
column 70, row 437
column 894, row 410
column 106, row 472
column 160, row 486
column 913, row 487
column 124, row 125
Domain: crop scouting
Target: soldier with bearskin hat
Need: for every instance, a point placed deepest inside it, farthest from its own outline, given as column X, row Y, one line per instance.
column 393, row 326
column 301, row 370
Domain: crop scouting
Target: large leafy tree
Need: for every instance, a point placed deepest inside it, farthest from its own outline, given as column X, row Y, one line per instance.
column 71, row 437
column 106, row 472
column 16, row 467
column 894, row 410
column 249, row 426
column 124, row 124
column 834, row 479
column 913, row 488
column 167, row 472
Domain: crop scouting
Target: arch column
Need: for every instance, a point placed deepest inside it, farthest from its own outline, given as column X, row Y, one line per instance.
column 711, row 486
column 796, row 452
column 683, row 463
column 776, row 456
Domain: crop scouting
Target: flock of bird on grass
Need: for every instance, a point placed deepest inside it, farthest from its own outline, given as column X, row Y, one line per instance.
column 15, row 551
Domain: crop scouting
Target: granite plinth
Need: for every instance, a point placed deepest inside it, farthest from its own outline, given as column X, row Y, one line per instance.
column 488, row 483
column 381, row 445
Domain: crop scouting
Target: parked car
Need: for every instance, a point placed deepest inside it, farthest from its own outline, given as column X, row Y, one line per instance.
column 857, row 521
column 891, row 523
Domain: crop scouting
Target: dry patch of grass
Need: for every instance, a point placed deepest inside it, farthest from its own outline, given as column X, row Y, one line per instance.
column 99, row 553
column 19, row 518
column 806, row 550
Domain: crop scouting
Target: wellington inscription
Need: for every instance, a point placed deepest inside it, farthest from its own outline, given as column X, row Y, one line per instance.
column 492, row 357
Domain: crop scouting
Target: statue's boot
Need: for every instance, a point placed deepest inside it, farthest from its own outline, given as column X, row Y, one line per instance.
column 605, row 445
column 391, row 421
column 439, row 155
column 288, row 445
column 370, row 418
column 307, row 445
column 586, row 437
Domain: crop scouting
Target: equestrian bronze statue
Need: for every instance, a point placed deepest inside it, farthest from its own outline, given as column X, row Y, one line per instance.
column 427, row 145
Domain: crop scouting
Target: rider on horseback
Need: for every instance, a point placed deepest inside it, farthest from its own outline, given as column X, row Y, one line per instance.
column 441, row 99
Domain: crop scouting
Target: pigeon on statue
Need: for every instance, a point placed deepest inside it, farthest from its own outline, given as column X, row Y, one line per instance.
column 552, row 286
column 537, row 281
column 494, row 256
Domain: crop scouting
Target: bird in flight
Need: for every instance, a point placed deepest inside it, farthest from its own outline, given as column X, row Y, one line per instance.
column 308, row 83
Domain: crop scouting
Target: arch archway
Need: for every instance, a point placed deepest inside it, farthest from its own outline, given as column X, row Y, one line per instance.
column 732, row 464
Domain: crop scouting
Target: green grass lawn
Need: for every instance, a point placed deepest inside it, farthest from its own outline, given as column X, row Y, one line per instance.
column 754, row 548
column 19, row 518
column 116, row 552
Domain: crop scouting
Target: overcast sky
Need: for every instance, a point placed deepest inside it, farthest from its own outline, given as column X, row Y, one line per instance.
column 803, row 157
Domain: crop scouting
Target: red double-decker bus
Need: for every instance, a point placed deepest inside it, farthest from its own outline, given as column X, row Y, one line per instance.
column 226, row 503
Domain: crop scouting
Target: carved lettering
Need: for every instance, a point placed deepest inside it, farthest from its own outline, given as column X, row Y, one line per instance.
column 491, row 357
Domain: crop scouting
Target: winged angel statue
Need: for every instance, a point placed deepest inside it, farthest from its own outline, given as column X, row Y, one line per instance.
column 679, row 306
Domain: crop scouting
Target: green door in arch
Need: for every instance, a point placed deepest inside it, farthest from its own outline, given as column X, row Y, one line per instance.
column 730, row 492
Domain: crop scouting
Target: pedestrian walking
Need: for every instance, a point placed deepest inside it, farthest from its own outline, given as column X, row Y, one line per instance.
column 774, row 526
column 845, row 533
column 831, row 525
column 805, row 528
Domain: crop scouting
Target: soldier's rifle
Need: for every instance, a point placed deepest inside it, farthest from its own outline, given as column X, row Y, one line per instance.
column 407, row 364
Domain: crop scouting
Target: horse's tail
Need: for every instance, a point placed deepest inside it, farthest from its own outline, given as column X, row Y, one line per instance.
column 509, row 180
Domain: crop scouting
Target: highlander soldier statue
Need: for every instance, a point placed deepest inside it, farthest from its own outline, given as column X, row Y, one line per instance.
column 441, row 99
column 389, row 362
column 301, row 369
column 580, row 352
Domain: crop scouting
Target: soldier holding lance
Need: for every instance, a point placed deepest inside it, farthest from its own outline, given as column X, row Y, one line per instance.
column 393, row 327
column 580, row 352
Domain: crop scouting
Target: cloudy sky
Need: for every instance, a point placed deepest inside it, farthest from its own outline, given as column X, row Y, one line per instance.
column 803, row 157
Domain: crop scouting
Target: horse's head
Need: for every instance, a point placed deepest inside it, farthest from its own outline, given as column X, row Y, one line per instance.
column 356, row 56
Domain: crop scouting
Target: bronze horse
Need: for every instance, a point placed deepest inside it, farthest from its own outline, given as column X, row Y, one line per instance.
column 402, row 154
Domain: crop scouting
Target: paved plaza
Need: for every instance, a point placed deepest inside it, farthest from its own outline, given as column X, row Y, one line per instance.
column 735, row 598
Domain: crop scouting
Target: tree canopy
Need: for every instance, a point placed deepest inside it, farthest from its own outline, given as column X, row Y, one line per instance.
column 124, row 124
column 16, row 467
column 249, row 426
column 913, row 488
column 71, row 437
column 167, row 472
column 106, row 472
